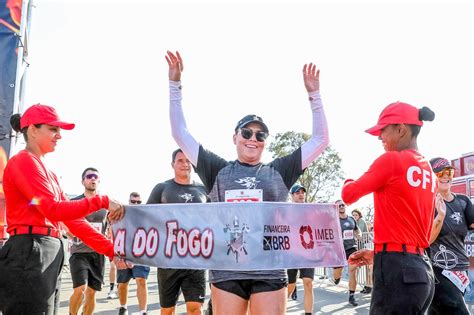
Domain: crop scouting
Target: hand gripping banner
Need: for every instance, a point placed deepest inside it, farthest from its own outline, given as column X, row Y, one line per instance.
column 231, row 236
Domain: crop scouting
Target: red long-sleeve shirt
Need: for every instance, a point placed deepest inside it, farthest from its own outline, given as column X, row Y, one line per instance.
column 33, row 197
column 404, row 188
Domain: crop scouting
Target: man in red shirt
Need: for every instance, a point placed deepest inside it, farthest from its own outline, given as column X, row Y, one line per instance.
column 404, row 187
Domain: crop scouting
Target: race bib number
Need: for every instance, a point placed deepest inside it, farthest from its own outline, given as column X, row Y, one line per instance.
column 96, row 225
column 348, row 234
column 458, row 278
column 244, row 195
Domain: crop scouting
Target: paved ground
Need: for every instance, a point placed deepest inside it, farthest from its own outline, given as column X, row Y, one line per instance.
column 329, row 299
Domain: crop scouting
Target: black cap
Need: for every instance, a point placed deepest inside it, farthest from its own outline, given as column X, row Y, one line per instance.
column 438, row 164
column 296, row 188
column 250, row 119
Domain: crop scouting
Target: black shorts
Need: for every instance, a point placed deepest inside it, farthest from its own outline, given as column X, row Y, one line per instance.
column 448, row 299
column 87, row 268
column 29, row 269
column 245, row 288
column 403, row 284
column 349, row 252
column 304, row 273
column 191, row 282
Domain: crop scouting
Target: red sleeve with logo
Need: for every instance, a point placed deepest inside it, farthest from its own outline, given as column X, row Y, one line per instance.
column 33, row 195
column 404, row 187
column 95, row 240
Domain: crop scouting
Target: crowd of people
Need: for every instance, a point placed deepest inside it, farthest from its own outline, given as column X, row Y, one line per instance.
column 415, row 213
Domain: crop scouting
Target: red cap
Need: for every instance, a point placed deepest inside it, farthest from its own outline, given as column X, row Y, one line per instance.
column 43, row 114
column 396, row 113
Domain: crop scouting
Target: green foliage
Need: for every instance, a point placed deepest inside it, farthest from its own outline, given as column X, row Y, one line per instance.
column 322, row 177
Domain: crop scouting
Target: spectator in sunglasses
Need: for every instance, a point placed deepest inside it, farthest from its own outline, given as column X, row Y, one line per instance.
column 403, row 186
column 86, row 265
column 298, row 195
column 135, row 198
column 137, row 272
column 447, row 252
column 350, row 232
column 32, row 258
column 263, row 291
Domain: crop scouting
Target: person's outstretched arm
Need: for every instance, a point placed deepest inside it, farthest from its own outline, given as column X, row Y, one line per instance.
column 179, row 130
column 439, row 219
column 319, row 140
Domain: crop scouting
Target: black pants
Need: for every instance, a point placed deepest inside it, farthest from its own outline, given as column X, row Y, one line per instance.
column 29, row 269
column 403, row 284
column 448, row 299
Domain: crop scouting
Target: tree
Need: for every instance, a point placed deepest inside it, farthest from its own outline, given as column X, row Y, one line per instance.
column 369, row 214
column 322, row 177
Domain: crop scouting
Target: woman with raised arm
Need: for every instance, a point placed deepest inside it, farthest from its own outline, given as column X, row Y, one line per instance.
column 404, row 188
column 32, row 258
column 264, row 291
column 448, row 255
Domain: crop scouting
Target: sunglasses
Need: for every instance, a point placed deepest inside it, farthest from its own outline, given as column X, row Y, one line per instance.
column 91, row 176
column 342, row 206
column 446, row 171
column 135, row 202
column 248, row 133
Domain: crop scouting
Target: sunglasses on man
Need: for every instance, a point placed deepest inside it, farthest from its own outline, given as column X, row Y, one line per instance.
column 91, row 176
column 135, row 202
column 342, row 205
column 446, row 171
column 248, row 133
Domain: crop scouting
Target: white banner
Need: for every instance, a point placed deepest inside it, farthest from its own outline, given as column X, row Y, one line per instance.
column 231, row 236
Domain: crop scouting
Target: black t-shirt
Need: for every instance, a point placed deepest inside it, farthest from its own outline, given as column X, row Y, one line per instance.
column 348, row 226
column 98, row 220
column 262, row 182
column 172, row 192
column 447, row 251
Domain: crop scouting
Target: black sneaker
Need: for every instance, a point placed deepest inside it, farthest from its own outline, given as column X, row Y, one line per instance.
column 336, row 281
column 352, row 300
column 294, row 295
column 366, row 290
column 123, row 311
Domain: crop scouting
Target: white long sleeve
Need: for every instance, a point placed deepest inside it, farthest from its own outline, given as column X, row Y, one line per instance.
column 179, row 130
column 319, row 140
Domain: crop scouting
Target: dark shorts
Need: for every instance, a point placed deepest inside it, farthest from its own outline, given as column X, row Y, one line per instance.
column 349, row 252
column 191, row 282
column 304, row 273
column 29, row 269
column 124, row 275
column 403, row 284
column 245, row 288
column 448, row 299
column 87, row 268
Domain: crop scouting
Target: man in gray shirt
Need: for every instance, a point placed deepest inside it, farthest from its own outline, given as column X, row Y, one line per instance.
column 350, row 231
column 87, row 266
